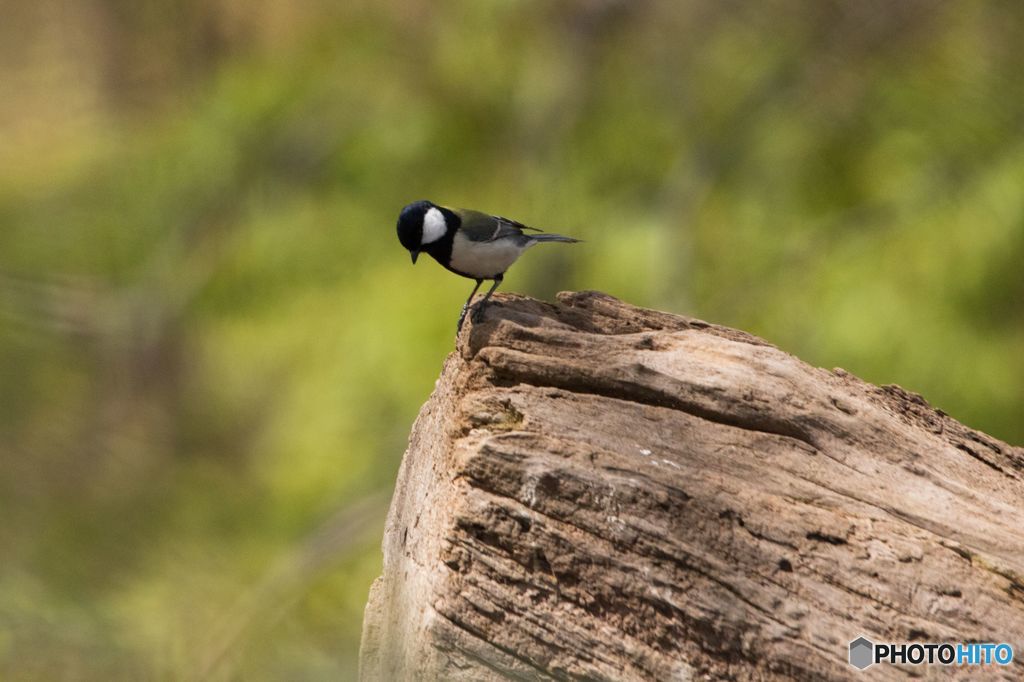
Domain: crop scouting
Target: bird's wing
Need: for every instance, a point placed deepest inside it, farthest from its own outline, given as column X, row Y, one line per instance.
column 482, row 227
column 516, row 223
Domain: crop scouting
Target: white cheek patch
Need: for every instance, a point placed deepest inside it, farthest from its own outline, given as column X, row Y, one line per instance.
column 434, row 226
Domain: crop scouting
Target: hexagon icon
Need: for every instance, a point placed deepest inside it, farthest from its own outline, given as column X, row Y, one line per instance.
column 862, row 653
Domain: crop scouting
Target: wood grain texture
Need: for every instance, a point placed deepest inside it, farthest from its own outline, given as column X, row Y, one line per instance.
column 598, row 491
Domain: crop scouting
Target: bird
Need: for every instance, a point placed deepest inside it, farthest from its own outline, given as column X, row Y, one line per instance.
column 469, row 243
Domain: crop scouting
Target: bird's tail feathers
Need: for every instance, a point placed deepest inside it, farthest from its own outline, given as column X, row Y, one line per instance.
column 550, row 237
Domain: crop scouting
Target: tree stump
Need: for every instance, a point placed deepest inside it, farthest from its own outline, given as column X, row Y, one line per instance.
column 598, row 491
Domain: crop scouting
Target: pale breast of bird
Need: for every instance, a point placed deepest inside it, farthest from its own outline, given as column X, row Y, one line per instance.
column 484, row 259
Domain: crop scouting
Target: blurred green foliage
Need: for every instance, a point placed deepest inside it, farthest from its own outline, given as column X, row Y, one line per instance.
column 212, row 347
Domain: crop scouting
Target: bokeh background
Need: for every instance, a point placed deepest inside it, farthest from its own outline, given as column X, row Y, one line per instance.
column 212, row 346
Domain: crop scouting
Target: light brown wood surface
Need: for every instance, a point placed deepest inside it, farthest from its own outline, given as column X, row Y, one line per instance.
column 598, row 491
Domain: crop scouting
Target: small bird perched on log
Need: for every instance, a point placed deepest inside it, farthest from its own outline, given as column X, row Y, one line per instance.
column 469, row 243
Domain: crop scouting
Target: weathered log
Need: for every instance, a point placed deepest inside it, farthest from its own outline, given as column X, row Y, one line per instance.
column 599, row 491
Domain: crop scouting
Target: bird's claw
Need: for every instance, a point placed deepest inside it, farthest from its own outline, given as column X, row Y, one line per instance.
column 474, row 312
column 477, row 315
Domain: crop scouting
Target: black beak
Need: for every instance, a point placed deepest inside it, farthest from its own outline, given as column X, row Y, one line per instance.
column 415, row 255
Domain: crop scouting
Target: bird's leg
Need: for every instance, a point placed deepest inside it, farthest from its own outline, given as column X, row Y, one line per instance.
column 465, row 307
column 478, row 310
